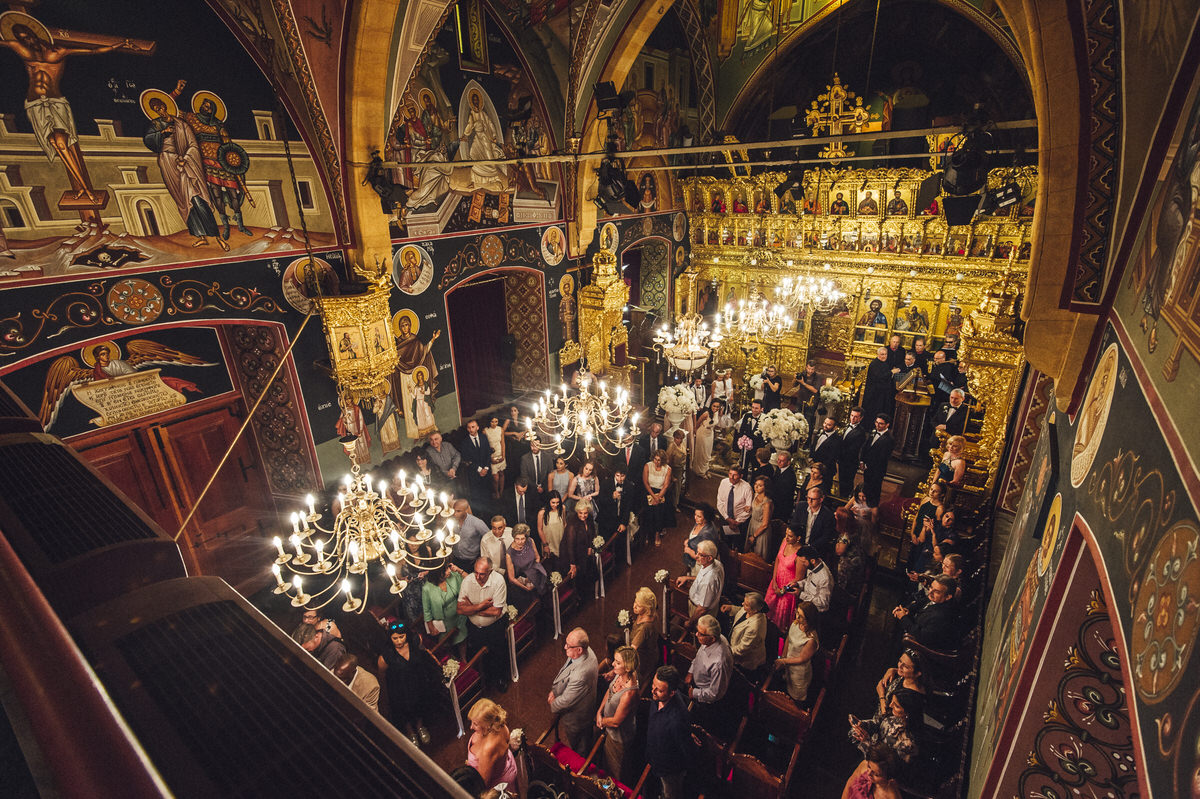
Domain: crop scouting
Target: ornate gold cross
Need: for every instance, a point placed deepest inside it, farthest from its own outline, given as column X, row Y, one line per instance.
column 837, row 111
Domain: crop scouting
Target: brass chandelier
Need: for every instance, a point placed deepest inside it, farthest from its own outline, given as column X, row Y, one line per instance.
column 689, row 345
column 368, row 528
column 754, row 319
column 592, row 416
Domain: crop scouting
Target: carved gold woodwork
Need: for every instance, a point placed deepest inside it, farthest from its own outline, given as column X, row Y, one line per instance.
column 601, row 306
column 360, row 338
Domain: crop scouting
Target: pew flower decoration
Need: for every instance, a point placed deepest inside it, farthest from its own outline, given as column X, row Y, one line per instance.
column 449, row 670
column 783, row 425
column 677, row 399
column 598, row 542
column 756, row 382
column 623, row 619
column 745, row 443
column 512, row 612
column 831, row 395
column 555, row 579
column 660, row 576
column 516, row 738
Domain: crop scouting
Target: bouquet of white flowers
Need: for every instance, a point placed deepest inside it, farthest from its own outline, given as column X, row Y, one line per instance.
column 831, row 395
column 781, row 424
column 623, row 619
column 660, row 575
column 677, row 399
column 555, row 578
column 756, row 382
column 512, row 612
column 450, row 670
column 598, row 542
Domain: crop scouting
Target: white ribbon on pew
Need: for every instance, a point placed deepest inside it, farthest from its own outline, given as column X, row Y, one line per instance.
column 557, row 611
column 454, row 706
column 512, row 652
column 628, row 545
column 598, row 591
column 666, row 606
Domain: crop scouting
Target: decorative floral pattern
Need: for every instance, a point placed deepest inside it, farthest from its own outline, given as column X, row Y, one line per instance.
column 135, row 301
column 1166, row 618
column 1086, row 745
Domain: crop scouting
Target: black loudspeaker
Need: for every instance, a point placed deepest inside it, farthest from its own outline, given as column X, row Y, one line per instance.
column 794, row 183
column 930, row 188
column 960, row 210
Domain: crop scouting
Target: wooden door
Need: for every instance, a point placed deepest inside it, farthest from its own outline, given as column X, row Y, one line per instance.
column 163, row 468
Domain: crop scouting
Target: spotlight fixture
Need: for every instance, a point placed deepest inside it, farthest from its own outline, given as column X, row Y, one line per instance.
column 965, row 167
column 615, row 193
column 608, row 102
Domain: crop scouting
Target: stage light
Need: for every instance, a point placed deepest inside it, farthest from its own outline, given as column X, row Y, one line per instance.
column 608, row 102
column 794, row 183
column 965, row 167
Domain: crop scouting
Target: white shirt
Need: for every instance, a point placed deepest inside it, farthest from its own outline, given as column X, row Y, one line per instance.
column 494, row 548
column 706, row 588
column 473, row 593
column 743, row 495
column 816, row 587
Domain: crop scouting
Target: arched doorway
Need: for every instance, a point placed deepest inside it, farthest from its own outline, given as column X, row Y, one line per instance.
column 498, row 338
column 148, row 218
column 646, row 268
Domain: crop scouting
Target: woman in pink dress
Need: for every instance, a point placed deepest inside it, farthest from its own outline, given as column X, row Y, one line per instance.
column 781, row 603
column 487, row 750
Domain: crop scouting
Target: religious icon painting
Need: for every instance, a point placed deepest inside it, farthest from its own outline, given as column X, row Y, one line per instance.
column 680, row 256
column 347, row 343
column 304, row 279
column 379, row 338
column 412, row 269
column 1093, row 416
column 609, row 237
column 679, row 226
column 957, row 245
column 553, row 246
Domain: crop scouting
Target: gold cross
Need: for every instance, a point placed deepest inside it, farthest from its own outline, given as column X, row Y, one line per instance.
column 837, row 112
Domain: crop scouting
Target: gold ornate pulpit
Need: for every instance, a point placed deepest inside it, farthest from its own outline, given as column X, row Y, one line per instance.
column 601, row 308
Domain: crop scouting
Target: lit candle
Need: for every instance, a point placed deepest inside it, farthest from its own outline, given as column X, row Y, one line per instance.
column 391, row 572
column 420, row 520
column 346, row 588
column 383, row 488
column 320, row 551
column 296, row 585
column 296, row 544
column 395, row 541
column 368, row 480
column 354, row 551
column 312, row 504
column 304, row 523
column 275, row 570
column 279, row 545
column 295, row 522
column 403, row 483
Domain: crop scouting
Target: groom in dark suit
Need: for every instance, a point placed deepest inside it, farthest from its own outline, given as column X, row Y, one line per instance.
column 853, row 438
column 535, row 467
column 876, row 453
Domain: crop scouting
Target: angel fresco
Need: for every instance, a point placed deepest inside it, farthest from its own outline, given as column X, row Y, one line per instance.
column 102, row 361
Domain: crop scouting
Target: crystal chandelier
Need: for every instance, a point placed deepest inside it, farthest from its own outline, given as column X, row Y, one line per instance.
column 755, row 319
column 822, row 293
column 593, row 418
column 368, row 528
column 687, row 347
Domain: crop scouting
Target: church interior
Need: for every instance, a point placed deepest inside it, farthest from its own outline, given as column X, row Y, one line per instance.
column 391, row 391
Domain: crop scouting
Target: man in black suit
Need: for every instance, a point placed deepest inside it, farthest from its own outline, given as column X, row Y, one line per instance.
column 921, row 355
column 782, row 487
column 853, row 438
column 521, row 504
column 896, row 353
column 616, row 504
column 937, row 624
column 879, row 391
column 875, row 455
column 748, row 426
column 477, row 463
column 651, row 441
column 535, row 467
column 630, row 461
column 826, row 447
column 952, row 416
column 815, row 522
column 942, row 375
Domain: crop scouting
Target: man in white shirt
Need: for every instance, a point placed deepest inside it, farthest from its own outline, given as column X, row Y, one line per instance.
column 483, row 599
column 734, row 497
column 494, row 545
column 818, row 578
column 360, row 681
column 704, row 596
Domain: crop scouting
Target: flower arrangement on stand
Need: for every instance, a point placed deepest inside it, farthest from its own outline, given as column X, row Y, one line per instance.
column 756, row 384
column 449, row 671
column 660, row 577
column 624, row 621
column 512, row 612
column 677, row 402
column 783, row 428
column 831, row 395
column 598, row 542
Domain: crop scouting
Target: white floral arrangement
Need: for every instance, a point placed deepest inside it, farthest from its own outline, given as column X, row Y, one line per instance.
column 660, row 576
column 598, row 542
column 512, row 612
column 450, row 670
column 783, row 424
column 515, row 738
column 756, row 382
column 831, row 395
column 623, row 619
column 677, row 399
column 555, row 578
